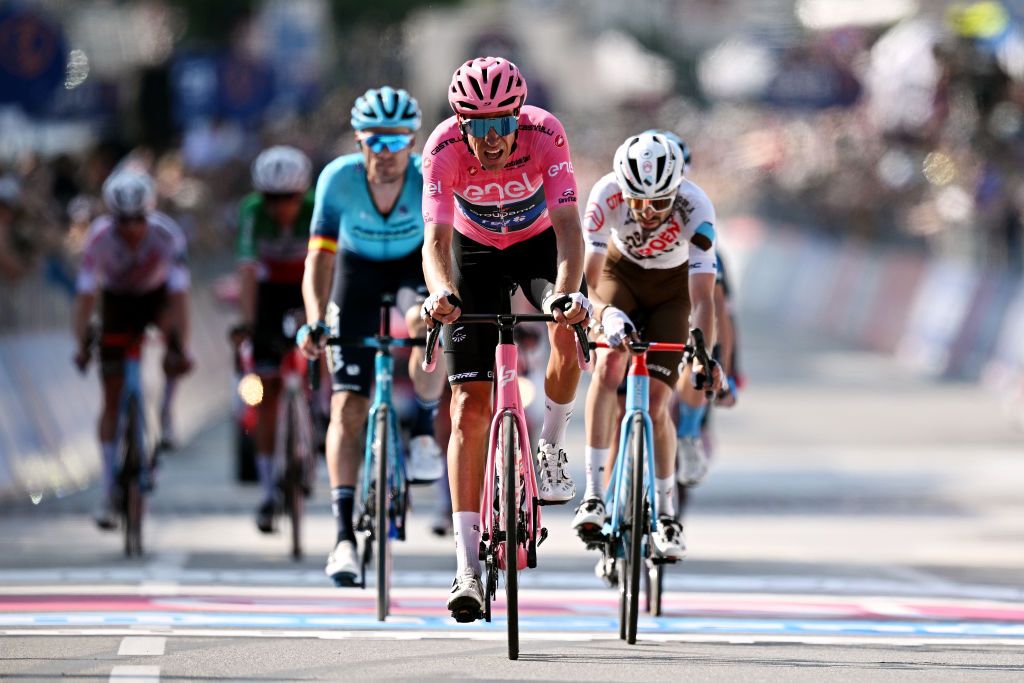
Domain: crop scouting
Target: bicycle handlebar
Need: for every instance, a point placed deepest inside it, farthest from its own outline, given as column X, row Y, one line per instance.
column 643, row 347
column 505, row 319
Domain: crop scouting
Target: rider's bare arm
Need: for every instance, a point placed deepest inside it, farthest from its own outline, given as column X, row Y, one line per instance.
column 594, row 264
column 702, row 304
column 437, row 257
column 316, row 283
column 569, row 239
column 178, row 305
column 84, row 303
column 247, row 276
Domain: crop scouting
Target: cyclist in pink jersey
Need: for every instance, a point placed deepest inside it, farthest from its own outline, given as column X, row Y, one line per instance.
column 500, row 208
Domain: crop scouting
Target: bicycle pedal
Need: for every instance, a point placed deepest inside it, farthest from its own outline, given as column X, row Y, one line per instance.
column 543, row 536
column 465, row 616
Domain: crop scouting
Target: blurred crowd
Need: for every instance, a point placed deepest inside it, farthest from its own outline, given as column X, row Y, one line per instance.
column 910, row 133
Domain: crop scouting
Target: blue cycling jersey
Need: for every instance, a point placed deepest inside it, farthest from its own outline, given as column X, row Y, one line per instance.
column 345, row 217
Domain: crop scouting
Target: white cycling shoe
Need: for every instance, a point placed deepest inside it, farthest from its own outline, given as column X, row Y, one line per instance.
column 555, row 485
column 425, row 463
column 343, row 564
column 691, row 461
column 668, row 539
column 466, row 600
column 589, row 519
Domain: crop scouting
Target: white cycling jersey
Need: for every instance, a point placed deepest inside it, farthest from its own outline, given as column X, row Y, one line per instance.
column 688, row 234
column 108, row 263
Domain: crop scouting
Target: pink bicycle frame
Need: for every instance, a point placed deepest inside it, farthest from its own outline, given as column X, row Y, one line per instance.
column 507, row 398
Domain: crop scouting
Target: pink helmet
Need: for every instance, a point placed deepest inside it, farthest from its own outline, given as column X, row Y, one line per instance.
column 486, row 85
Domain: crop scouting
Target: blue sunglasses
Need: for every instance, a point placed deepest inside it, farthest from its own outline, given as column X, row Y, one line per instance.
column 392, row 142
column 502, row 125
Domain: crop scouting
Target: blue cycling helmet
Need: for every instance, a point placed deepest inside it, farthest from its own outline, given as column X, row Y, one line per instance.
column 676, row 139
column 386, row 107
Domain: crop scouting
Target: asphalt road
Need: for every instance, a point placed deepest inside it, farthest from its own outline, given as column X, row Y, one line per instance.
column 857, row 519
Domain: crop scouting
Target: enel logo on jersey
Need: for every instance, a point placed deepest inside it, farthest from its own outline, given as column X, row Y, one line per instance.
column 513, row 189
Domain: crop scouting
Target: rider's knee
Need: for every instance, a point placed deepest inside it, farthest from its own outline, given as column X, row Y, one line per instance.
column 610, row 369
column 348, row 410
column 563, row 340
column 470, row 410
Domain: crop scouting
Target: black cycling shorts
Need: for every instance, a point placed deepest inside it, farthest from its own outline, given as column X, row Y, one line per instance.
column 485, row 277
column 269, row 343
column 354, row 311
column 126, row 317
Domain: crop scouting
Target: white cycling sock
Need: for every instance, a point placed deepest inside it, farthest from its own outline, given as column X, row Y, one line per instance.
column 267, row 471
column 595, row 460
column 466, row 526
column 109, row 451
column 666, row 496
column 556, row 419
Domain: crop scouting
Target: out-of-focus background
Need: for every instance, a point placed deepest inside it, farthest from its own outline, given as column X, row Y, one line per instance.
column 864, row 158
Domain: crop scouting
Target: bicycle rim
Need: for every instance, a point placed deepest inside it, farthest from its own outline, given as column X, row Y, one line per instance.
column 636, row 527
column 381, row 446
column 132, row 501
column 293, row 477
column 620, row 570
column 511, row 508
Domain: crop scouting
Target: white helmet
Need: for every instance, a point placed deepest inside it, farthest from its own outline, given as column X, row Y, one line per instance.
column 648, row 165
column 129, row 192
column 281, row 170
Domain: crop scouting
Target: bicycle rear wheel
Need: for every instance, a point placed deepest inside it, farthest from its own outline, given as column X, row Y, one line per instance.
column 293, row 492
column 511, row 510
column 131, row 487
column 636, row 527
column 381, row 445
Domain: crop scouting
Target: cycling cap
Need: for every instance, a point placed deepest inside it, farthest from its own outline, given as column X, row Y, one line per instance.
column 281, row 170
column 648, row 165
column 129, row 192
column 386, row 107
column 679, row 141
column 486, row 85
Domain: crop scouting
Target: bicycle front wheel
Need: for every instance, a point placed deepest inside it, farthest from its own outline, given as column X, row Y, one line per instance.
column 511, row 510
column 381, row 445
column 636, row 527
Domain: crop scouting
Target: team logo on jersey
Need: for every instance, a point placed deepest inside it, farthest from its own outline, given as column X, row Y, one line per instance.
column 594, row 217
column 513, row 189
column 555, row 169
column 559, row 141
column 434, row 187
column 473, row 170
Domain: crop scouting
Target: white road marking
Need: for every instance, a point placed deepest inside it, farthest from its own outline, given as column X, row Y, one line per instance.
column 548, row 636
column 142, row 646
column 163, row 581
column 135, row 674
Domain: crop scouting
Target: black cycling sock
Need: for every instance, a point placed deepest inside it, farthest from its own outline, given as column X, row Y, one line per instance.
column 342, row 503
column 426, row 413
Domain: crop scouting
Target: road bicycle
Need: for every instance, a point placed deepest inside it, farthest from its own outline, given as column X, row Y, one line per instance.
column 294, row 436
column 633, row 509
column 510, row 519
column 383, row 500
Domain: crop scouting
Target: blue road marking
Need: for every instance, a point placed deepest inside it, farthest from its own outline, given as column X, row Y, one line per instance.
column 575, row 623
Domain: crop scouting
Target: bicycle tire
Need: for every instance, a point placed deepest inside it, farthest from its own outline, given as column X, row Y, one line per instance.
column 511, row 509
column 656, row 585
column 132, row 504
column 381, row 445
column 620, row 569
column 293, row 476
column 636, row 526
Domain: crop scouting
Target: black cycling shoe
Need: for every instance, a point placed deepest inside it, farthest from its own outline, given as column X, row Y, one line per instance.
column 266, row 517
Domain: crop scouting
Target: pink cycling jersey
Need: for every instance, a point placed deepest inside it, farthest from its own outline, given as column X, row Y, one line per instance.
column 109, row 263
column 498, row 208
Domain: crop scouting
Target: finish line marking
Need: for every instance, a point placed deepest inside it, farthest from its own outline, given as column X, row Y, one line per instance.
column 547, row 636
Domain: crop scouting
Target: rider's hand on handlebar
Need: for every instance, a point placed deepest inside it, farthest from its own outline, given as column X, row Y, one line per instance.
column 617, row 326
column 578, row 311
column 312, row 339
column 439, row 307
column 698, row 370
